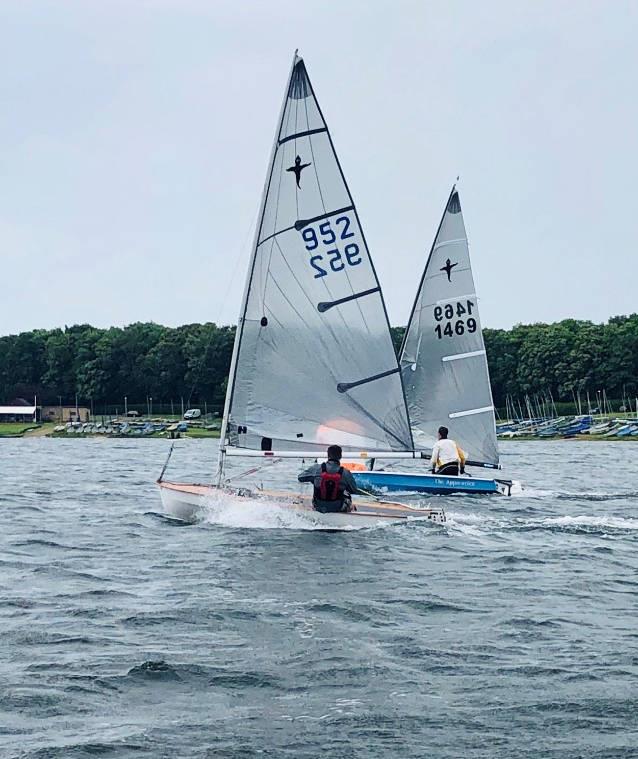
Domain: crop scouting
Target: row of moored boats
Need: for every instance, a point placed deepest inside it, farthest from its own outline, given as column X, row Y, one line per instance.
column 119, row 429
column 569, row 427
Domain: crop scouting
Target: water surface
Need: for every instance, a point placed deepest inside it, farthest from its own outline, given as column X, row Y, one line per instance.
column 511, row 632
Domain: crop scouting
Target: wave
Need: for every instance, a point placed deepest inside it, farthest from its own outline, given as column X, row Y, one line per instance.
column 33, row 542
column 167, row 519
column 155, row 670
column 115, row 747
column 207, row 676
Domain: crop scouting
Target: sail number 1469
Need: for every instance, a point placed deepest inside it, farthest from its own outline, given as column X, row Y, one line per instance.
column 448, row 325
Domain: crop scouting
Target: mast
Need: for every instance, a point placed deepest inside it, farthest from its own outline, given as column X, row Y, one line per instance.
column 242, row 314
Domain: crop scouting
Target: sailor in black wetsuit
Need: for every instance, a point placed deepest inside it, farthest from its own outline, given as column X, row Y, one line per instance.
column 333, row 485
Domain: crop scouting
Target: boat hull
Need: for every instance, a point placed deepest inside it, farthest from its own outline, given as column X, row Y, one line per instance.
column 380, row 482
column 185, row 501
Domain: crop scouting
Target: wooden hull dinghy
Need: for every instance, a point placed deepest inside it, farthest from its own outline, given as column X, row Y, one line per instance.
column 188, row 502
column 313, row 362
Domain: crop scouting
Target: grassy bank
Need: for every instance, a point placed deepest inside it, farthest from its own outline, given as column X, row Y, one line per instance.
column 198, row 432
column 16, row 429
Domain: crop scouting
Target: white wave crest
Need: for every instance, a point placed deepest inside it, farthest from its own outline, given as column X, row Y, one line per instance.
column 472, row 524
column 584, row 520
column 482, row 524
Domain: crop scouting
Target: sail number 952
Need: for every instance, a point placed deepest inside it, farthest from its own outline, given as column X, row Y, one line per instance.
column 454, row 319
column 329, row 255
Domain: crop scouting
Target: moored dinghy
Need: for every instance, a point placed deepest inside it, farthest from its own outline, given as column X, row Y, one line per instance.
column 445, row 370
column 313, row 362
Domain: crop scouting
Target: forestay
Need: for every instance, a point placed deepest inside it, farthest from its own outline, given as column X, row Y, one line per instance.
column 314, row 359
column 443, row 357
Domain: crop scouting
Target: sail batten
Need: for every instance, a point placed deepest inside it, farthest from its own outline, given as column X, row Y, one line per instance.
column 459, row 356
column 307, row 133
column 443, row 301
column 471, row 412
column 314, row 314
column 325, row 215
column 325, row 305
column 443, row 357
column 445, row 243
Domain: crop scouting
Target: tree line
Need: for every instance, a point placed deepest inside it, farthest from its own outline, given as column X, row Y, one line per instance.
column 191, row 362
column 105, row 365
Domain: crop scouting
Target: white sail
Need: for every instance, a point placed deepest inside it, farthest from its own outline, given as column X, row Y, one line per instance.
column 443, row 359
column 314, row 362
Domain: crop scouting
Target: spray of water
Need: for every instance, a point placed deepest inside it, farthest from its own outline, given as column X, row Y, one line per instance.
column 259, row 513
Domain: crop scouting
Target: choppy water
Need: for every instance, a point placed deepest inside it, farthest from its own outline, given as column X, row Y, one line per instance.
column 512, row 632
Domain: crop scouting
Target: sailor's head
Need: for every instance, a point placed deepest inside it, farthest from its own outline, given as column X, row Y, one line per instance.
column 334, row 453
column 443, row 433
column 298, row 160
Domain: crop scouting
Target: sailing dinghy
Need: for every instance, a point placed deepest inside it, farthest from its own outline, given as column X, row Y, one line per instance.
column 313, row 362
column 445, row 371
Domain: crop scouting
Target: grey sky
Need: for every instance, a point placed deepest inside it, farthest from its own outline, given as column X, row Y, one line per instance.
column 134, row 139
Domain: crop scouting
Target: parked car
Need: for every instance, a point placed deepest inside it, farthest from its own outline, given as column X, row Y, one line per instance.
column 193, row 413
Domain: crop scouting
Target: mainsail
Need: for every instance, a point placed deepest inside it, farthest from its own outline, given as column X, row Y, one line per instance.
column 314, row 362
column 443, row 359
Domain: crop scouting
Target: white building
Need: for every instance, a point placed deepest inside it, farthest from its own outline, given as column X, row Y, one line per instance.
column 18, row 413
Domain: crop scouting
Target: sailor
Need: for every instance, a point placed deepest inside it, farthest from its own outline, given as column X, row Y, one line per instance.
column 333, row 485
column 447, row 456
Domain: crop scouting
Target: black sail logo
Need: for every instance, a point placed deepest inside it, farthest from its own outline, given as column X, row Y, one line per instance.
column 297, row 168
column 448, row 269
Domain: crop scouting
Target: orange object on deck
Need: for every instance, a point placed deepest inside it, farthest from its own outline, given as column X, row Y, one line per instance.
column 354, row 466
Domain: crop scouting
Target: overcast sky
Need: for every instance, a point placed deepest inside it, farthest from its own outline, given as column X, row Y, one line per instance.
column 134, row 141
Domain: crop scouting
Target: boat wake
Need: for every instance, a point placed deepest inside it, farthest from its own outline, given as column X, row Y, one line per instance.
column 593, row 496
column 586, row 523
column 484, row 524
column 473, row 524
column 519, row 491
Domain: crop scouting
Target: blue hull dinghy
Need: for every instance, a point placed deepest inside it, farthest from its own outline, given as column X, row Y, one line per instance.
column 437, row 484
column 444, row 370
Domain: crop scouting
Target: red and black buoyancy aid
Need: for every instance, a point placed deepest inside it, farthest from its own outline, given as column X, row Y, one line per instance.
column 327, row 485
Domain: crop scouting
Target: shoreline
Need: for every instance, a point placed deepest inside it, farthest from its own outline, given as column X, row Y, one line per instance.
column 198, row 433
column 13, row 431
column 558, row 439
